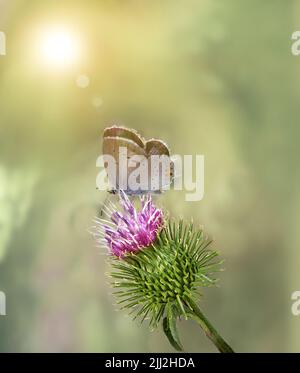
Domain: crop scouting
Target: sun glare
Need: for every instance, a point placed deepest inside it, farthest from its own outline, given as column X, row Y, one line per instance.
column 58, row 47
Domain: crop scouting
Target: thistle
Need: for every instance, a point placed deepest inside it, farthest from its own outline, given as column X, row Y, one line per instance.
column 130, row 230
column 159, row 267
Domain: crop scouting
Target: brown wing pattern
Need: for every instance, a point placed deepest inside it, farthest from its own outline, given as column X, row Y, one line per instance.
column 116, row 139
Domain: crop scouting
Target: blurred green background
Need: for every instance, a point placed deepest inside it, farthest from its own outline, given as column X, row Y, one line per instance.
column 209, row 77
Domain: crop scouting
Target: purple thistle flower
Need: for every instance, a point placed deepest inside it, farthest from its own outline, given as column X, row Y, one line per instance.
column 130, row 230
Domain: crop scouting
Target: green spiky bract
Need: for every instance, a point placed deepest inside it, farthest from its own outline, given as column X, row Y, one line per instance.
column 164, row 279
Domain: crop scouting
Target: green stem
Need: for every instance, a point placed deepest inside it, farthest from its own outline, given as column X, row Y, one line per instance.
column 209, row 330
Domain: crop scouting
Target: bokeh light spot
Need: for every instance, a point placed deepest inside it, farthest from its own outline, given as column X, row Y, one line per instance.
column 97, row 102
column 82, row 81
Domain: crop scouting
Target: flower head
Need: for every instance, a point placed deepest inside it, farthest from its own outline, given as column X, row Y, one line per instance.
column 168, row 276
column 130, row 230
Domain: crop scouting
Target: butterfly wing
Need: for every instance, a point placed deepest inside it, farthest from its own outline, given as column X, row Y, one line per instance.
column 116, row 140
column 124, row 133
column 161, row 175
column 157, row 147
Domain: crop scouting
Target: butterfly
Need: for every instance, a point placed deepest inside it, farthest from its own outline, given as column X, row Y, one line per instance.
column 140, row 166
